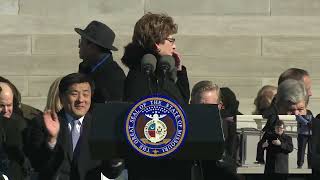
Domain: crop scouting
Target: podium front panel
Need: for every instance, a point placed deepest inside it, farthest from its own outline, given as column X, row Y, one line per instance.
column 204, row 137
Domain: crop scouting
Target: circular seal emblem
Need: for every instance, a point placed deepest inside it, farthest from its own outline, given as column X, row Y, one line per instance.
column 156, row 126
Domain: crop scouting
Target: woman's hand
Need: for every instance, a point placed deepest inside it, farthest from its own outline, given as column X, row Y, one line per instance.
column 178, row 60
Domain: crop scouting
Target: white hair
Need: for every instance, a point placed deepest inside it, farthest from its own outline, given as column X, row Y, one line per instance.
column 291, row 91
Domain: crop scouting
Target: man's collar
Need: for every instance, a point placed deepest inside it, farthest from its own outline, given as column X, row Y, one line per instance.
column 70, row 118
column 103, row 58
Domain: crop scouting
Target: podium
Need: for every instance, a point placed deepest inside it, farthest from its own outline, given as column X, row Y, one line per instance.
column 204, row 139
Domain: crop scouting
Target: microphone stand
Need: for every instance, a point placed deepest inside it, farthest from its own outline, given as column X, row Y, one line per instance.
column 148, row 72
column 163, row 74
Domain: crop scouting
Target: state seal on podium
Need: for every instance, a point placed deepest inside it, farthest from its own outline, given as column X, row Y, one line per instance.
column 156, row 126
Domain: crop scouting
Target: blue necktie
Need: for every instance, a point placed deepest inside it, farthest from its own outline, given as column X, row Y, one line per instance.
column 75, row 132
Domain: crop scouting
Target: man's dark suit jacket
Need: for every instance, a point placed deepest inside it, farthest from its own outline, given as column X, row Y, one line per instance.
column 12, row 143
column 316, row 146
column 61, row 163
column 108, row 79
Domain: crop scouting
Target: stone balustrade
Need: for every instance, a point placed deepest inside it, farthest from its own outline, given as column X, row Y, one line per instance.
column 258, row 122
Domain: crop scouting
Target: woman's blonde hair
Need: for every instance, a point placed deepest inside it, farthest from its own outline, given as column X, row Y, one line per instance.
column 53, row 100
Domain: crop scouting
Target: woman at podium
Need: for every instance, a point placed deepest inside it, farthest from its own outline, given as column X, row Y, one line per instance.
column 155, row 67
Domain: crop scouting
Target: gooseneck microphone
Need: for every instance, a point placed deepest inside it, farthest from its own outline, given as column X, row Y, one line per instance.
column 148, row 66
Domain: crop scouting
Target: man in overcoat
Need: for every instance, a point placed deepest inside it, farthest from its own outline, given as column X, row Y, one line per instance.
column 95, row 46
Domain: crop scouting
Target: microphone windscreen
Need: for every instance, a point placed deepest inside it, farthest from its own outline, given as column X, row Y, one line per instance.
column 167, row 61
column 148, row 62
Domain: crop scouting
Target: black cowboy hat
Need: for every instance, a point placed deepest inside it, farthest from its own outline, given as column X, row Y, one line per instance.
column 98, row 33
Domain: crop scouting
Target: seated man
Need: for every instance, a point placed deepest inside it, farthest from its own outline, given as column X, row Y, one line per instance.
column 26, row 111
column 59, row 143
column 205, row 92
column 13, row 128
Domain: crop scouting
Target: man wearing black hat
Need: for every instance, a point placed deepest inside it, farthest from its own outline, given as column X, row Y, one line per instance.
column 95, row 48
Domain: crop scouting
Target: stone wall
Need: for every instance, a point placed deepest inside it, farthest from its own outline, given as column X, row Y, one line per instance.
column 243, row 44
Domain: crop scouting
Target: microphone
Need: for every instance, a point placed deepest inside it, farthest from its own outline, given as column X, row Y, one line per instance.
column 148, row 63
column 148, row 66
column 166, row 63
column 167, row 66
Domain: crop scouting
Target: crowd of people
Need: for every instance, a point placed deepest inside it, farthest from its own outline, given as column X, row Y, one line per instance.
column 54, row 143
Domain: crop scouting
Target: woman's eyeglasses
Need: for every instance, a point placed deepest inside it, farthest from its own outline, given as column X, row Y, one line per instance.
column 171, row 40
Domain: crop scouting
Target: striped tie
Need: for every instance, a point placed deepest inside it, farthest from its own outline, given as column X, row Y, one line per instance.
column 75, row 132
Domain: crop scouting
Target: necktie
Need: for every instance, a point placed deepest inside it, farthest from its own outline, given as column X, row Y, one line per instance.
column 75, row 132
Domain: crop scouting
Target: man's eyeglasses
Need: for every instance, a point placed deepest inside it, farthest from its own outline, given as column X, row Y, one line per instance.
column 172, row 40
